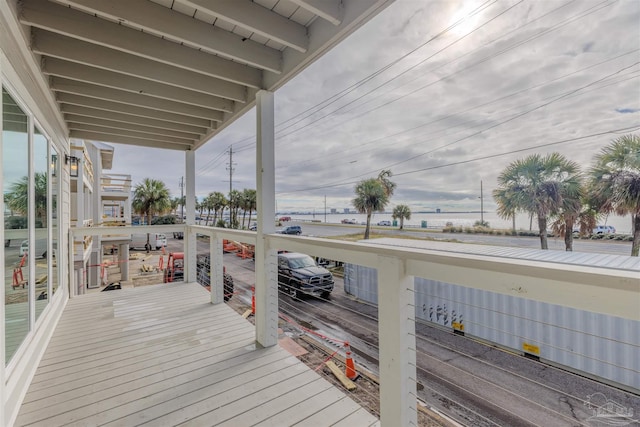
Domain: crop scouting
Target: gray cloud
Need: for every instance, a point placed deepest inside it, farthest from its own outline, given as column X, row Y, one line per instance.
column 354, row 141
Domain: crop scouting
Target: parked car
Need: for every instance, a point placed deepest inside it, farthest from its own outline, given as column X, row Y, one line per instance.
column 299, row 274
column 178, row 235
column 253, row 227
column 203, row 263
column 349, row 221
column 604, row 229
column 290, row 229
column 285, row 218
column 40, row 248
column 385, row 223
column 139, row 241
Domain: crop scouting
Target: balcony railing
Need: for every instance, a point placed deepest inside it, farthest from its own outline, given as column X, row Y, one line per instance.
column 613, row 292
column 116, row 183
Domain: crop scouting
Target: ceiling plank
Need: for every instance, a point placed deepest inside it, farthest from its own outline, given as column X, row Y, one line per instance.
column 255, row 18
column 330, row 10
column 119, row 139
column 108, row 115
column 97, row 76
column 127, row 133
column 59, row 84
column 160, row 119
column 152, row 130
column 70, row 49
column 74, row 23
column 323, row 36
column 158, row 19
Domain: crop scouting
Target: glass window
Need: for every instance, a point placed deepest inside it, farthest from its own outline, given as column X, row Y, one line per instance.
column 54, row 172
column 41, row 248
column 15, row 171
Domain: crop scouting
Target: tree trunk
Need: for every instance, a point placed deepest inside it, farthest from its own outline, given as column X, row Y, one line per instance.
column 530, row 221
column 148, row 245
column 366, row 230
column 542, row 225
column 250, row 212
column 635, row 246
column 514, row 223
column 568, row 234
column 401, row 222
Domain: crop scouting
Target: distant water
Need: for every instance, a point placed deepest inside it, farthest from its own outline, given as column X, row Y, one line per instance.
column 464, row 219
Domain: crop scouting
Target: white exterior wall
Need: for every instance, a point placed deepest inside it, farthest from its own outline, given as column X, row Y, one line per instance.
column 20, row 72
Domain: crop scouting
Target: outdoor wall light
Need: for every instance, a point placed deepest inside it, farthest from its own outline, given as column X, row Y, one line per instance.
column 54, row 165
column 74, row 163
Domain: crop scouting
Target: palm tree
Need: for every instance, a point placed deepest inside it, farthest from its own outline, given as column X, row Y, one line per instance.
column 207, row 203
column 389, row 187
column 370, row 197
column 235, row 198
column 175, row 202
column 569, row 213
column 537, row 185
column 402, row 212
column 615, row 182
column 249, row 199
column 17, row 199
column 218, row 203
column 150, row 197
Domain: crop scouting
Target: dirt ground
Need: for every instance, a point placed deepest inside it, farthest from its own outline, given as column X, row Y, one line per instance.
column 367, row 393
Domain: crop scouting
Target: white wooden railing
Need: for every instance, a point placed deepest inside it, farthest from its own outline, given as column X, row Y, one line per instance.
column 600, row 290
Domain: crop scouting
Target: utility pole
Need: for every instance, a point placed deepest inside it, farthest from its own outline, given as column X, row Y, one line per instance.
column 181, row 184
column 325, row 208
column 481, row 205
column 230, row 169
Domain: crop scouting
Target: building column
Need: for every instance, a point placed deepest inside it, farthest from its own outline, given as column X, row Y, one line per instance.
column 123, row 260
column 190, row 247
column 396, row 329
column 266, row 315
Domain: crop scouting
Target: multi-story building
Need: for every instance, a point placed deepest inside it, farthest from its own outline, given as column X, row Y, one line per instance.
column 172, row 75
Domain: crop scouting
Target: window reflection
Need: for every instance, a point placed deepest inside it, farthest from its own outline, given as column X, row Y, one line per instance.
column 54, row 167
column 15, row 170
column 41, row 249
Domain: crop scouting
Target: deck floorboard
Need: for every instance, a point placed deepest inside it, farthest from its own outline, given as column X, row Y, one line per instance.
column 163, row 356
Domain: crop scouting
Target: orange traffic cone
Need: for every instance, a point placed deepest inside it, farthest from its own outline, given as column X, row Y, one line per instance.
column 350, row 370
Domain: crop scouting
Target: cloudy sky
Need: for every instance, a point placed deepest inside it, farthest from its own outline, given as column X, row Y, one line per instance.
column 442, row 93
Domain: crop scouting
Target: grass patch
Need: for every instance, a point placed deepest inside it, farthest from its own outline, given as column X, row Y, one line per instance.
column 359, row 236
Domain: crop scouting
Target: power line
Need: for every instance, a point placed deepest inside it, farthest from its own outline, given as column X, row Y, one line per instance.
column 369, row 77
column 545, row 104
column 475, row 159
column 481, row 61
column 467, row 110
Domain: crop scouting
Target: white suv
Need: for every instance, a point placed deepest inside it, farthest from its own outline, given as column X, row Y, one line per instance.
column 604, row 229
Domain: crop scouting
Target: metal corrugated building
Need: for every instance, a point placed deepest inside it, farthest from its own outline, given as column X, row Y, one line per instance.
column 599, row 345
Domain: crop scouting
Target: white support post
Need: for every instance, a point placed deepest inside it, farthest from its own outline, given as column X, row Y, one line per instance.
column 266, row 315
column 190, row 244
column 3, row 380
column 396, row 329
column 123, row 261
column 216, row 270
column 71, row 270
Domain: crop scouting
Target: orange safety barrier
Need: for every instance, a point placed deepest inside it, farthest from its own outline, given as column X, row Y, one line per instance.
column 161, row 261
column 350, row 370
column 228, row 246
column 18, row 279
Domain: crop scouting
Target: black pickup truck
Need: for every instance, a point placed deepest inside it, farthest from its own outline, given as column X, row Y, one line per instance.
column 299, row 274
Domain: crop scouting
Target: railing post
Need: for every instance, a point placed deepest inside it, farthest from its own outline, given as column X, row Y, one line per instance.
column 216, row 270
column 396, row 329
column 71, row 270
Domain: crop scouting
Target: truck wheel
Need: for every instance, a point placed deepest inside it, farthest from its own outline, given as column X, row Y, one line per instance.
column 325, row 295
column 293, row 291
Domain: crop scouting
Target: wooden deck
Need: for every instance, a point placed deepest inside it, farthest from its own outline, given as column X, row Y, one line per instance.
column 162, row 356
